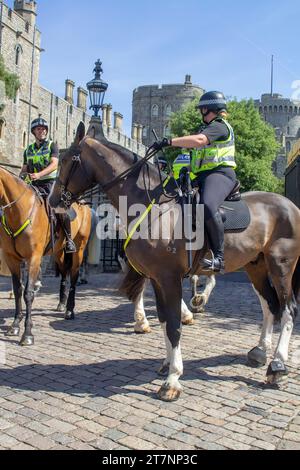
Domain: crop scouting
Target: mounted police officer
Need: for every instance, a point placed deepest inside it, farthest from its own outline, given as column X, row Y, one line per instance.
column 161, row 163
column 40, row 163
column 213, row 163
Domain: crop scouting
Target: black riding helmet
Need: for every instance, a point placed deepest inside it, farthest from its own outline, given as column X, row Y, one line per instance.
column 214, row 101
column 39, row 122
column 163, row 161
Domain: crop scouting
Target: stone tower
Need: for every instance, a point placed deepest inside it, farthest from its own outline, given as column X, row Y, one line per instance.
column 153, row 105
column 27, row 9
column 284, row 115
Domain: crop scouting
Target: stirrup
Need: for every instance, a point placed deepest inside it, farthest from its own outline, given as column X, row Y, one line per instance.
column 70, row 247
column 214, row 265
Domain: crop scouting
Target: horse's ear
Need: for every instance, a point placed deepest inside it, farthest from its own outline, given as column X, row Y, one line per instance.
column 80, row 133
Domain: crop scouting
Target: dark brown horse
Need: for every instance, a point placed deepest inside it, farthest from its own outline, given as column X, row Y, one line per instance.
column 23, row 211
column 268, row 249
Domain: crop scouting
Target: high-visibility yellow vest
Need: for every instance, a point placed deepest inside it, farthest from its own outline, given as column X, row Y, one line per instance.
column 180, row 162
column 39, row 159
column 221, row 153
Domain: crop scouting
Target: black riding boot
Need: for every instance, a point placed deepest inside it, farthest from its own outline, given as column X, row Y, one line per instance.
column 215, row 230
column 70, row 245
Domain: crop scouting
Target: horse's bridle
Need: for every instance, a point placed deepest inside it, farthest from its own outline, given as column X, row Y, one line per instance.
column 66, row 196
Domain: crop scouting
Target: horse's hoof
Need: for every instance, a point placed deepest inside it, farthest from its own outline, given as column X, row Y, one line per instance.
column 61, row 307
column 276, row 371
column 27, row 341
column 257, row 357
column 69, row 315
column 142, row 330
column 198, row 301
column 13, row 331
column 168, row 393
column 188, row 321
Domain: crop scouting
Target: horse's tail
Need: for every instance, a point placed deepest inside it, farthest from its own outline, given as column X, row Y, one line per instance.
column 296, row 282
column 132, row 284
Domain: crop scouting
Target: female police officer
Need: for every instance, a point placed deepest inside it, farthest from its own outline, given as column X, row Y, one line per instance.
column 213, row 163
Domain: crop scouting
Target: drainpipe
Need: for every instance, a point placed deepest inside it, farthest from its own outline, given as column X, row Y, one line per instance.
column 1, row 17
column 31, row 85
column 67, row 124
column 51, row 113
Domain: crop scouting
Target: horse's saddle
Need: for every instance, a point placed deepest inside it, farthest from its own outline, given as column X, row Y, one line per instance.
column 234, row 211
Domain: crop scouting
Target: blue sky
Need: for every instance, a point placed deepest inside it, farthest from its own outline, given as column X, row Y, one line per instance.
column 224, row 45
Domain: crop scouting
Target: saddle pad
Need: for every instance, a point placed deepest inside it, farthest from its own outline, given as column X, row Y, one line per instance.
column 237, row 215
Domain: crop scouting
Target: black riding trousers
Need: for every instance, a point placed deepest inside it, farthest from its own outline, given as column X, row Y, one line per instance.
column 215, row 186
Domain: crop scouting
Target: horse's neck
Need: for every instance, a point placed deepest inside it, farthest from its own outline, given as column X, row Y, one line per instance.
column 108, row 168
column 12, row 191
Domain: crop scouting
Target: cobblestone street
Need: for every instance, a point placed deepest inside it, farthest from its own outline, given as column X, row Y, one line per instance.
column 92, row 383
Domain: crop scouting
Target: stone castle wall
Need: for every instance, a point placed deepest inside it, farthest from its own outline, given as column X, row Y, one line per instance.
column 153, row 105
column 284, row 115
column 21, row 50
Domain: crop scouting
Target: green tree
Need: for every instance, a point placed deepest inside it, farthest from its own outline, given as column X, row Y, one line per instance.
column 11, row 80
column 256, row 145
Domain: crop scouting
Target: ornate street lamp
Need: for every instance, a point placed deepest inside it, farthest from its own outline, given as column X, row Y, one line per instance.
column 97, row 89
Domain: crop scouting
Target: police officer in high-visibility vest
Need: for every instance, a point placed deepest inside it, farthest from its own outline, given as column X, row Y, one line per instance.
column 183, row 160
column 213, row 162
column 40, row 163
column 162, row 163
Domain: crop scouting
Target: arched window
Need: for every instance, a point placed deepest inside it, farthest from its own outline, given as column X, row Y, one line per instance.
column 288, row 131
column 168, row 110
column 270, row 109
column 155, row 110
column 167, row 131
column 2, row 125
column 285, row 109
column 24, row 139
column 288, row 146
column 19, row 51
column 291, row 109
column 265, row 109
column 280, row 109
column 275, row 109
column 145, row 132
column 295, row 109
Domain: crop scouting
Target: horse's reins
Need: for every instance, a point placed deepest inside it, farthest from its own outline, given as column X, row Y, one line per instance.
column 3, row 221
column 67, row 197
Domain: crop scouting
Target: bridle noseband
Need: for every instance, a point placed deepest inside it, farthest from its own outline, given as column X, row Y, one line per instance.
column 66, row 196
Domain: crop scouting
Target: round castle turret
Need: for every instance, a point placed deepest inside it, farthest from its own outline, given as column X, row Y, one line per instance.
column 153, row 105
column 284, row 115
column 281, row 113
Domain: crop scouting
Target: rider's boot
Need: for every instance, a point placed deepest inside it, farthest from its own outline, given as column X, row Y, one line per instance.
column 66, row 224
column 215, row 231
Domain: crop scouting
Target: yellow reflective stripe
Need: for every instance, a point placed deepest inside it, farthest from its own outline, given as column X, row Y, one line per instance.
column 166, row 182
column 143, row 216
column 18, row 232
column 21, row 229
column 138, row 223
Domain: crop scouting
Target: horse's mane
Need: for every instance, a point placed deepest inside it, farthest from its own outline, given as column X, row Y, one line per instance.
column 17, row 179
column 127, row 154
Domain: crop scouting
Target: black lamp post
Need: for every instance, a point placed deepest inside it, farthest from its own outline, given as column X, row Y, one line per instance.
column 97, row 89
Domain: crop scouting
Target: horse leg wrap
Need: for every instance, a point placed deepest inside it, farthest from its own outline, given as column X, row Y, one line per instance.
column 257, row 357
column 277, row 366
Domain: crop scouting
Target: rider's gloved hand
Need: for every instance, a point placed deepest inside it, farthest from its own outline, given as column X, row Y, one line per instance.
column 162, row 144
